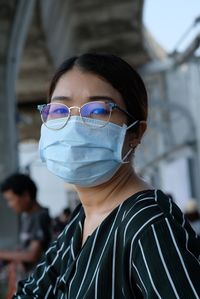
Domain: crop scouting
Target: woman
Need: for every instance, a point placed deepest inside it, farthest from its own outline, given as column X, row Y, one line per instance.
column 125, row 240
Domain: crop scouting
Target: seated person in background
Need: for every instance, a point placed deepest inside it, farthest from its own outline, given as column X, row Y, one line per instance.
column 193, row 215
column 35, row 223
column 59, row 222
column 65, row 216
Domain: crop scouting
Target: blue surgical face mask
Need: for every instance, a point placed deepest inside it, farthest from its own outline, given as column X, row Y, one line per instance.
column 83, row 153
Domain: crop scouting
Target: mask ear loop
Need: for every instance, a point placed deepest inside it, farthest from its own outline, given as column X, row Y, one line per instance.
column 126, row 156
column 133, row 124
column 131, row 145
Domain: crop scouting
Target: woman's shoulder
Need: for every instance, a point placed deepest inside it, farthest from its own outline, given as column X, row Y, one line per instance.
column 145, row 208
column 153, row 200
column 141, row 203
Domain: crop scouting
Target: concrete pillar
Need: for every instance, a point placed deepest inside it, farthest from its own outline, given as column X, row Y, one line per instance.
column 14, row 22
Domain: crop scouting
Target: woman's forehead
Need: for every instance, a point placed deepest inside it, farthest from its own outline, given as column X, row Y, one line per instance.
column 76, row 84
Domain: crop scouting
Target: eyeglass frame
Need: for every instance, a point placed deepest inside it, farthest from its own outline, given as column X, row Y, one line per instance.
column 112, row 105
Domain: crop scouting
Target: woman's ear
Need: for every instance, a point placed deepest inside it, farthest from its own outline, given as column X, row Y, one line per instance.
column 135, row 137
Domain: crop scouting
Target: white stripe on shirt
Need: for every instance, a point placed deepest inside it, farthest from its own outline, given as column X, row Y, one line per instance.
column 181, row 259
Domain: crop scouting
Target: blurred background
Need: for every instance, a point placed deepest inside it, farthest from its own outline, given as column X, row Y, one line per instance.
column 159, row 38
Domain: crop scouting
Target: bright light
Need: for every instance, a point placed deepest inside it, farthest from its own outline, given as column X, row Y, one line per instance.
column 169, row 20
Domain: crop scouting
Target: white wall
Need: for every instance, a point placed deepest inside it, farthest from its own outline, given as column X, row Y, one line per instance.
column 51, row 190
column 176, row 180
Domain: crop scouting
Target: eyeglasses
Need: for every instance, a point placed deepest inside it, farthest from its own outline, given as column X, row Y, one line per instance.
column 99, row 110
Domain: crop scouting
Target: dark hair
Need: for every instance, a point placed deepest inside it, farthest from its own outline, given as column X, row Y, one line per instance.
column 20, row 183
column 115, row 71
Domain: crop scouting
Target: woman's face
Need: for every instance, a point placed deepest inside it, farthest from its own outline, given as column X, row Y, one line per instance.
column 77, row 87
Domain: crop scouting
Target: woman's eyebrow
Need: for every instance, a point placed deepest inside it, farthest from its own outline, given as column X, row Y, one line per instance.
column 60, row 98
column 99, row 97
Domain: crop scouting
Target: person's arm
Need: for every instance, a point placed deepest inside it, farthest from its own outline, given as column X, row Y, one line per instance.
column 162, row 264
column 29, row 255
column 44, row 278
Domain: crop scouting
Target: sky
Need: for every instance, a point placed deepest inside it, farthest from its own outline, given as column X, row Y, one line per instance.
column 169, row 20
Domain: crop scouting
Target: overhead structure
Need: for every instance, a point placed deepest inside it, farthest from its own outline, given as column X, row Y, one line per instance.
column 64, row 28
column 12, row 41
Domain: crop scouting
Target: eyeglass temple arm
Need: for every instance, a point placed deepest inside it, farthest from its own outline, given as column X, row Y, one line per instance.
column 40, row 107
column 122, row 110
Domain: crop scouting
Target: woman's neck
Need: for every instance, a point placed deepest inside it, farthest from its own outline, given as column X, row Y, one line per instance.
column 100, row 200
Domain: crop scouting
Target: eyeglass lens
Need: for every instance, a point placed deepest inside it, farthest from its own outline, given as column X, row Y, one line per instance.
column 95, row 110
column 54, row 111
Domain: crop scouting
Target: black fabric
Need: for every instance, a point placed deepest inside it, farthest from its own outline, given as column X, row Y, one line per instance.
column 145, row 248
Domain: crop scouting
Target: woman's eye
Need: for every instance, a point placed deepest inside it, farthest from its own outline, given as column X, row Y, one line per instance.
column 99, row 111
column 59, row 111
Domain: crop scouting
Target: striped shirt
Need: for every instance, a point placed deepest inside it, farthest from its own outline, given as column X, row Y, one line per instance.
column 145, row 248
